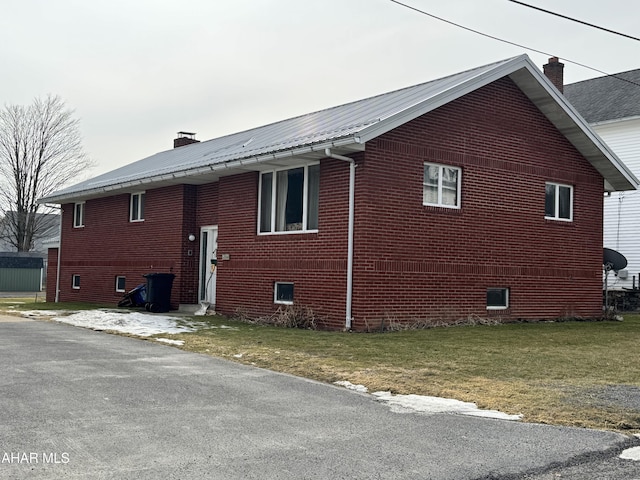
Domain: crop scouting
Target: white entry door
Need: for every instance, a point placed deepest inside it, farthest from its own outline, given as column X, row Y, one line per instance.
column 208, row 264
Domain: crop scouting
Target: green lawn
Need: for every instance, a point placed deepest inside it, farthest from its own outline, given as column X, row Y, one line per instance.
column 555, row 373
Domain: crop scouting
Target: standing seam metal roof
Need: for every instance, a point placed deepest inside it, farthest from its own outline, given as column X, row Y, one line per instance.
column 349, row 124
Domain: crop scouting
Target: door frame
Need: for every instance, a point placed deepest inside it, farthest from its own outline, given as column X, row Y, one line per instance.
column 206, row 277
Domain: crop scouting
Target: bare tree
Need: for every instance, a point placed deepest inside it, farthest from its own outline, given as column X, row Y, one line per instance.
column 40, row 152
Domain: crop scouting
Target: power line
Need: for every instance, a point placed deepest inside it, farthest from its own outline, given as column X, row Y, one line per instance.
column 576, row 20
column 510, row 42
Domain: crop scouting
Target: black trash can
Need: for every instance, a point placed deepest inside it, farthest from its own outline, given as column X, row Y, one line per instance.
column 159, row 291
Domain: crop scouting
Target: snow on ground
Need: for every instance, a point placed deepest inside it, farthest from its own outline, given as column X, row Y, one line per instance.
column 631, row 453
column 425, row 404
column 135, row 323
column 170, row 342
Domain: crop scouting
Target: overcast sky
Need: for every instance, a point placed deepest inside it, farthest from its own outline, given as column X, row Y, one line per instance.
column 137, row 71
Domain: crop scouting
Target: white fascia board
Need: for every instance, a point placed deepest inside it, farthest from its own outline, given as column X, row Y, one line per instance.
column 230, row 165
column 442, row 98
column 576, row 129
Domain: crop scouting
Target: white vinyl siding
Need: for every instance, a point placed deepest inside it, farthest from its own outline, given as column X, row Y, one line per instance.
column 622, row 209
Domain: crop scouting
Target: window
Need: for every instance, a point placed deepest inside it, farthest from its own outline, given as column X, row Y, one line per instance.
column 120, row 284
column 497, row 298
column 441, row 186
column 283, row 293
column 75, row 282
column 78, row 215
column 558, row 202
column 288, row 200
column 136, row 209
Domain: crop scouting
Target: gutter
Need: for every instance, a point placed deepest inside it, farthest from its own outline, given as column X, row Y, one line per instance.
column 352, row 190
column 218, row 166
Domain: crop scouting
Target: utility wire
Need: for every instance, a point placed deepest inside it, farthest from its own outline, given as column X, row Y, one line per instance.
column 510, row 42
column 575, row 20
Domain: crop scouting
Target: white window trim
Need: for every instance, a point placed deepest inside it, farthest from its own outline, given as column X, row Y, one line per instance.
column 118, row 277
column 305, row 200
column 500, row 307
column 77, row 224
column 556, row 216
column 458, row 186
column 140, row 213
column 73, row 282
column 275, row 293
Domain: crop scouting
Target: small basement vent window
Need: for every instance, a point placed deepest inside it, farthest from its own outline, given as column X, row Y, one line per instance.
column 283, row 293
column 497, row 298
column 75, row 282
column 120, row 283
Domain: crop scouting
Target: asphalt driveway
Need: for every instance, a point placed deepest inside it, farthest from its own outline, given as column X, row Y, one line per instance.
column 76, row 403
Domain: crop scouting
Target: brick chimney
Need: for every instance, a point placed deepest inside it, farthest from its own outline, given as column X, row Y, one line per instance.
column 184, row 138
column 554, row 72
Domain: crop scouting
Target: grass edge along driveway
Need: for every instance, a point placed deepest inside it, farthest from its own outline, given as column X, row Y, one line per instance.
column 583, row 374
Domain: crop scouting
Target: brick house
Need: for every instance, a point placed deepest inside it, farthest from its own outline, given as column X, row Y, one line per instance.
column 475, row 195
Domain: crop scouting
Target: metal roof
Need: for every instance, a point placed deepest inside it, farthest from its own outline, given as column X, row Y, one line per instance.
column 612, row 97
column 346, row 129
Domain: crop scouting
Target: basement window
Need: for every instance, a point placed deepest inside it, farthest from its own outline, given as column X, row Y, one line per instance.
column 75, row 282
column 497, row 298
column 283, row 293
column 136, row 207
column 120, row 283
column 78, row 215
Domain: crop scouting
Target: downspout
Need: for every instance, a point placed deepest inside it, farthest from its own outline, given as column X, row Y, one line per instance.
column 352, row 190
column 59, row 255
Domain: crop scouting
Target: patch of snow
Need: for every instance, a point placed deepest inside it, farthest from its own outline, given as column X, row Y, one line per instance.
column 238, row 355
column 134, row 323
column 170, row 342
column 351, row 386
column 40, row 313
column 631, row 454
column 426, row 404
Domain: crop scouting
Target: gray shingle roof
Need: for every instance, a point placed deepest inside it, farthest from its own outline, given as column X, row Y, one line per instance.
column 345, row 129
column 606, row 98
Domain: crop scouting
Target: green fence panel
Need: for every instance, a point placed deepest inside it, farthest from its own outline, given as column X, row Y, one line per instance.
column 20, row 279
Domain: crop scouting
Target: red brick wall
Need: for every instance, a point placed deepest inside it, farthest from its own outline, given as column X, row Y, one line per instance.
column 109, row 245
column 314, row 262
column 417, row 263
column 413, row 263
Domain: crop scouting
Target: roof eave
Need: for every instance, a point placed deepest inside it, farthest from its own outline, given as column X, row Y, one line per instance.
column 535, row 85
column 212, row 172
column 547, row 98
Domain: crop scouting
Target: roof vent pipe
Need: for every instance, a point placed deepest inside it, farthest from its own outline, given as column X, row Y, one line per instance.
column 352, row 190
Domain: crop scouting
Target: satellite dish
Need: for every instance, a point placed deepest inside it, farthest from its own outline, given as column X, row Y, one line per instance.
column 613, row 260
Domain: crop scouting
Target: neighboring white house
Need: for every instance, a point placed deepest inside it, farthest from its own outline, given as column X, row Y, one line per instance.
column 611, row 105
